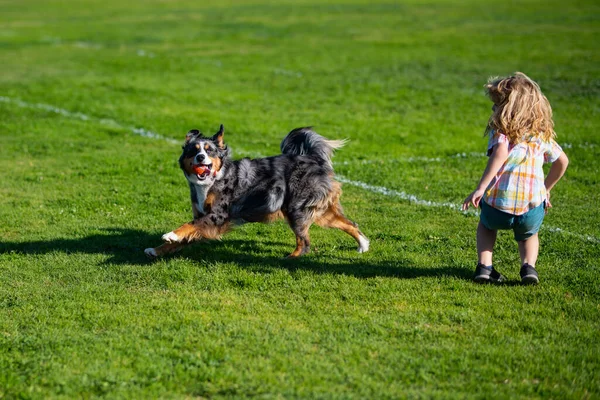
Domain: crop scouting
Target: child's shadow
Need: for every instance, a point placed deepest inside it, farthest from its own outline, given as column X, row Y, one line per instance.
column 126, row 246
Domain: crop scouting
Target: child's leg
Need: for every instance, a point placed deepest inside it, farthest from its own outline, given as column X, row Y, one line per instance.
column 489, row 222
column 486, row 239
column 529, row 249
column 485, row 273
column 526, row 234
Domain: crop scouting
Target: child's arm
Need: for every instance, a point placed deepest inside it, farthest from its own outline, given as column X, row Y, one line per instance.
column 495, row 162
column 557, row 170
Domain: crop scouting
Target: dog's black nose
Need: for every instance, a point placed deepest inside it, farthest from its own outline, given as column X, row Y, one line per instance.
column 199, row 157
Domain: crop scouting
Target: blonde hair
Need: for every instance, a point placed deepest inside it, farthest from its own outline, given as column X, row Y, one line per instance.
column 521, row 109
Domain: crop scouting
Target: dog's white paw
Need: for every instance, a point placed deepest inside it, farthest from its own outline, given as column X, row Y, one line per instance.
column 150, row 252
column 363, row 244
column 171, row 237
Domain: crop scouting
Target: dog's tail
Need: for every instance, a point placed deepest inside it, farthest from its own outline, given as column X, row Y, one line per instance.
column 305, row 141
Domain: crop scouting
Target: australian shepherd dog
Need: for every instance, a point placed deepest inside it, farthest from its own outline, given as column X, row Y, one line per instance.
column 297, row 185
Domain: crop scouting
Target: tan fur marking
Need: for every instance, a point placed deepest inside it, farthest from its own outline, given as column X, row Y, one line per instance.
column 208, row 203
column 332, row 200
column 185, row 231
column 300, row 248
column 187, row 165
column 200, row 229
column 167, row 248
column 216, row 164
column 302, row 241
column 272, row 217
column 214, row 232
column 220, row 142
column 334, row 218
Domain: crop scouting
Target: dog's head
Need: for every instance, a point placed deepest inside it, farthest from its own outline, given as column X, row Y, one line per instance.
column 202, row 157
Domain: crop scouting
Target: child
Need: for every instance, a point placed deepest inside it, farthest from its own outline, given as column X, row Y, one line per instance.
column 513, row 189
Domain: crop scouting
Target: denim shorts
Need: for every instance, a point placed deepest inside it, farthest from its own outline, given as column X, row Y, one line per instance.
column 523, row 226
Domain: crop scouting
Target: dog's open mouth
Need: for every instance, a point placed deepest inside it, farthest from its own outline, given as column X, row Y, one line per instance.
column 202, row 171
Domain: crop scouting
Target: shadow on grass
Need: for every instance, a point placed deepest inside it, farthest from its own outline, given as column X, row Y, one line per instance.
column 125, row 246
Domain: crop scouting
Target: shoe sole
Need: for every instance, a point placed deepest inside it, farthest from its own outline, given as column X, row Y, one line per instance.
column 530, row 280
column 487, row 279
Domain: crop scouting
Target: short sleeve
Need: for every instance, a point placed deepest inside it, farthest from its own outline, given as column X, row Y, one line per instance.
column 553, row 151
column 496, row 138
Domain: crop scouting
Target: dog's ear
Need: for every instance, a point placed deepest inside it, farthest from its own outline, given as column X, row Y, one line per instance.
column 218, row 138
column 191, row 134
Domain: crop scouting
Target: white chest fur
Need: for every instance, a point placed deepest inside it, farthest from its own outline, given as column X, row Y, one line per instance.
column 199, row 193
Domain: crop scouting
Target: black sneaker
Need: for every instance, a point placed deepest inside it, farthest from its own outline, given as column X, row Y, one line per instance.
column 485, row 274
column 529, row 275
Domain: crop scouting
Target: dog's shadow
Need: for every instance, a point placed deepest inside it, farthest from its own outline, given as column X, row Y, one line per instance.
column 126, row 246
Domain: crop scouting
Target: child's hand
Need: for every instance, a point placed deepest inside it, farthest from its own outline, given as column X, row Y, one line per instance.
column 474, row 199
column 548, row 204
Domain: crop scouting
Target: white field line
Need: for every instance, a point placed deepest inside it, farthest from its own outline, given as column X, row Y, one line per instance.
column 144, row 53
column 87, row 45
column 457, row 207
column 371, row 188
column 103, row 121
column 585, row 145
column 401, row 195
column 417, row 159
column 414, row 159
column 287, row 72
column 83, row 117
column 588, row 238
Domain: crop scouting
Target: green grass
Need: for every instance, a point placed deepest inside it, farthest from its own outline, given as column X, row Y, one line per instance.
column 83, row 314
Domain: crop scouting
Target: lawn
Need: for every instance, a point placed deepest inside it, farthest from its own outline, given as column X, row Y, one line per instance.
column 95, row 100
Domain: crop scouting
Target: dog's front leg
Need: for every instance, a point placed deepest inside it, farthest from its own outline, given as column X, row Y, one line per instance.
column 163, row 249
column 174, row 241
column 184, row 234
column 206, row 227
column 209, row 226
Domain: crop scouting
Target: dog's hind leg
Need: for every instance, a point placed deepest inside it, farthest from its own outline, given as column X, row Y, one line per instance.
column 300, row 224
column 333, row 217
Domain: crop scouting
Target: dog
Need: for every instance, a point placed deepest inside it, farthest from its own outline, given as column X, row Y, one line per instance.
column 297, row 185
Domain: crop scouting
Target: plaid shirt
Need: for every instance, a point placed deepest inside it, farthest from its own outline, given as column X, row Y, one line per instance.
column 519, row 184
